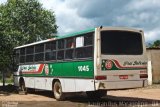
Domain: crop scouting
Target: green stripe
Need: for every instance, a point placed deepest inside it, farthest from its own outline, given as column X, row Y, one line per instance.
column 76, row 33
column 78, row 69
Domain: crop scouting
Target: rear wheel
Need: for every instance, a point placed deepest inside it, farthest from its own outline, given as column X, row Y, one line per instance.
column 57, row 90
column 96, row 94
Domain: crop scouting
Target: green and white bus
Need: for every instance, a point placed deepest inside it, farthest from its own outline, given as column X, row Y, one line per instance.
column 92, row 61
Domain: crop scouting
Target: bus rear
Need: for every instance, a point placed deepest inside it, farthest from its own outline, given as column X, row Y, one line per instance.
column 120, row 59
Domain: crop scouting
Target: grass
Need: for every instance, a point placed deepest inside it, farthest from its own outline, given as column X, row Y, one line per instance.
column 7, row 80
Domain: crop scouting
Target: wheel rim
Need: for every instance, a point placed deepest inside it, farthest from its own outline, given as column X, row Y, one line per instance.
column 22, row 87
column 57, row 90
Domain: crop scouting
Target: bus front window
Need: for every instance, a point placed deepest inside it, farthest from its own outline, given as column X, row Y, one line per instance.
column 121, row 43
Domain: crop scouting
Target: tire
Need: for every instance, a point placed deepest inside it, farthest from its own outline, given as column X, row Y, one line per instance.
column 57, row 91
column 96, row 94
column 22, row 88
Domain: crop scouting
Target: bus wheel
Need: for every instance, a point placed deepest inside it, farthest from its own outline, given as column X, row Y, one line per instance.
column 57, row 90
column 22, row 88
column 96, row 94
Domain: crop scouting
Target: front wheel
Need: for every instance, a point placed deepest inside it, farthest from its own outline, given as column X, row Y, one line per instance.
column 57, row 90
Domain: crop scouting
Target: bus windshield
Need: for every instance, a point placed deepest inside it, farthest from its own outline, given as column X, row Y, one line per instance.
column 121, row 43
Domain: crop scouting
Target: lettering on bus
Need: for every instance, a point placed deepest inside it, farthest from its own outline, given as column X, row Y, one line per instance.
column 28, row 68
column 134, row 63
column 84, row 68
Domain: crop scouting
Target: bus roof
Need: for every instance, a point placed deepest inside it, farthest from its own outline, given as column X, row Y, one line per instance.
column 75, row 34
column 58, row 37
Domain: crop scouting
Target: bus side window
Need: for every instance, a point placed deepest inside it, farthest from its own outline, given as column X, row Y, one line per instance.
column 88, row 39
column 79, row 41
column 84, row 46
column 39, row 52
column 60, row 55
column 69, row 54
column 50, row 51
column 22, row 59
column 29, row 54
column 22, row 55
column 39, row 57
column 70, row 43
column 50, row 46
column 88, row 52
column 29, row 58
column 69, row 46
column 50, row 56
column 81, row 53
column 85, row 52
column 39, row 48
column 61, row 44
column 17, row 54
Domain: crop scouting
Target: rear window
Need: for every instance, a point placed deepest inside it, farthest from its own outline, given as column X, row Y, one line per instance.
column 121, row 43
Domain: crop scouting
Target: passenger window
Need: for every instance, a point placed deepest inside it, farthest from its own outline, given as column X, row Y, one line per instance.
column 70, row 43
column 22, row 51
column 50, row 46
column 60, row 55
column 79, row 41
column 61, row 44
column 39, row 57
column 69, row 54
column 39, row 48
column 50, row 56
column 17, row 53
column 29, row 58
column 30, row 50
column 88, row 40
column 39, row 52
column 85, row 52
column 22, row 59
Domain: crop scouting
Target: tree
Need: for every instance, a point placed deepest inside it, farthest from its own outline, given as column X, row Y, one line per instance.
column 156, row 44
column 22, row 22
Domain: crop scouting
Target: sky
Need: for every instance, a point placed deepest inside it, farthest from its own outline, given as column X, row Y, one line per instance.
column 76, row 15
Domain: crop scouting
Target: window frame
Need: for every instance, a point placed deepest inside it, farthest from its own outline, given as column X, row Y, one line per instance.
column 37, row 53
column 27, row 54
column 55, row 50
column 22, row 55
column 92, row 46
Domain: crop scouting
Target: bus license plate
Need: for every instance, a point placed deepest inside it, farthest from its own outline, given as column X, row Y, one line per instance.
column 123, row 76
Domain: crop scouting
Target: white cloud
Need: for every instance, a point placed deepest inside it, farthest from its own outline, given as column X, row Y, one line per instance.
column 143, row 14
column 3, row 1
column 66, row 16
column 143, row 5
column 152, row 35
column 75, row 15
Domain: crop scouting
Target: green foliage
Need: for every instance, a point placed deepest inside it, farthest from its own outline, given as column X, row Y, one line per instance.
column 156, row 44
column 22, row 22
column 26, row 21
column 7, row 80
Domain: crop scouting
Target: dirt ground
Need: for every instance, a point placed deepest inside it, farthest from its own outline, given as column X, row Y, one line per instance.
column 141, row 97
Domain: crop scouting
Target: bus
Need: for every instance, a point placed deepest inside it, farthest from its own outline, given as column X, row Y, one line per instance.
column 92, row 61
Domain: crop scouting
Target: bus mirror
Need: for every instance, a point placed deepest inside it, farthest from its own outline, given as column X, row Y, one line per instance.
column 101, row 27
